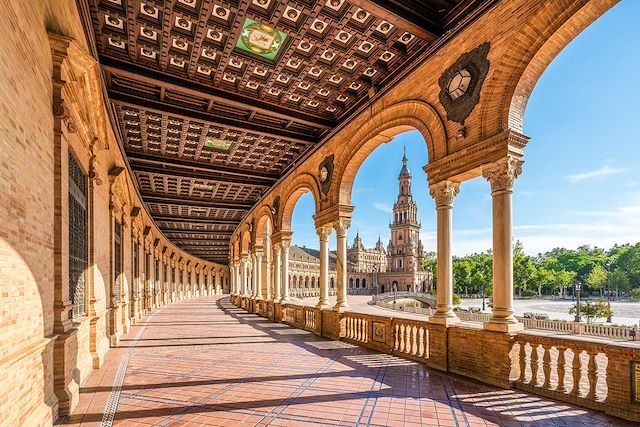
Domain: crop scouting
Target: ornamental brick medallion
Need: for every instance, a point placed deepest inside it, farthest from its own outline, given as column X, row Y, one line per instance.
column 379, row 332
column 260, row 39
column 635, row 381
column 460, row 84
column 325, row 172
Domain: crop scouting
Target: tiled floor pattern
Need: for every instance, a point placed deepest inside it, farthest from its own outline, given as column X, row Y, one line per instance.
column 206, row 362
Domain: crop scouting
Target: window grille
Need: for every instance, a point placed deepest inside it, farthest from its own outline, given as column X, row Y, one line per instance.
column 78, row 241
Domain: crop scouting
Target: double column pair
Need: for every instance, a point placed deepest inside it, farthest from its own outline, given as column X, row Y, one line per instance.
column 341, row 226
column 501, row 176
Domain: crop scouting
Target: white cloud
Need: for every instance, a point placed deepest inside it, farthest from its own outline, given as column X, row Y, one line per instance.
column 383, row 207
column 605, row 170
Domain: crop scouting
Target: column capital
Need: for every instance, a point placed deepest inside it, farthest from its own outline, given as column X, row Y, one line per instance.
column 502, row 173
column 285, row 244
column 323, row 232
column 341, row 226
column 444, row 192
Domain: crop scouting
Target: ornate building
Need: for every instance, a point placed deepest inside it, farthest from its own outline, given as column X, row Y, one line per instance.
column 401, row 263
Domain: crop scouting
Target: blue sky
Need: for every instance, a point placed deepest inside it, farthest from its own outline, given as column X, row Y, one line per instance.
column 580, row 182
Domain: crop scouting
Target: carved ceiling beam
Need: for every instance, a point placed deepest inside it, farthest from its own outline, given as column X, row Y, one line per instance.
column 170, row 199
column 196, row 173
column 193, row 88
column 191, row 220
column 210, row 170
column 157, row 107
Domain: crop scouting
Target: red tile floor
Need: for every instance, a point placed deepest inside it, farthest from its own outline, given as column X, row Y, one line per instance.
column 206, row 362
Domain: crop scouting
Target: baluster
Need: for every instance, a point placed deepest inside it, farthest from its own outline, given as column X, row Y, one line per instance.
column 561, row 369
column 396, row 343
column 546, row 368
column 534, row 365
column 576, row 373
column 360, row 330
column 421, row 342
column 401, row 339
column 414, row 341
column 523, row 362
column 592, row 375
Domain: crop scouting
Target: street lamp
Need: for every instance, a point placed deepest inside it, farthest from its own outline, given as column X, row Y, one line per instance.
column 394, row 288
column 429, row 278
column 483, row 297
column 578, row 286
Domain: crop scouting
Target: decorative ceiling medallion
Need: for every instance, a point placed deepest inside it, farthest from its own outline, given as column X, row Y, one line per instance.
column 387, row 56
column 178, row 62
column 291, row 14
column 384, row 27
column 182, row 23
column 283, row 78
column 325, row 172
column 305, row 46
column 336, row 79
column 209, row 53
column 191, row 3
column 220, row 12
column 217, row 144
column 262, row 3
column 318, row 26
column 260, row 39
column 460, row 84
column 214, row 35
column 406, row 38
column 343, row 36
column 360, row 16
column 114, row 22
column 116, row 43
column 328, row 55
column 334, row 4
column 148, row 10
column 203, row 187
column 148, row 33
column 149, row 53
column 179, row 44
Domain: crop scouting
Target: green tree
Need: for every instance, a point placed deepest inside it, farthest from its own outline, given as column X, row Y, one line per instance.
column 593, row 310
column 597, row 278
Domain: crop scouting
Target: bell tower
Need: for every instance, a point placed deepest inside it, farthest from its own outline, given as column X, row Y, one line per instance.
column 405, row 252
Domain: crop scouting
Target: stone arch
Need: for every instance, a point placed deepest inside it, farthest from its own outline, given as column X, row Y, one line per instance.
column 380, row 129
column 302, row 184
column 516, row 73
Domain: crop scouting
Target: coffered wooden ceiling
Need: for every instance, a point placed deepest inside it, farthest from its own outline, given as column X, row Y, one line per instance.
column 215, row 100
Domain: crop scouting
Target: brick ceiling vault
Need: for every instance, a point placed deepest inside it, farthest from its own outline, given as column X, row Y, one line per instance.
column 214, row 100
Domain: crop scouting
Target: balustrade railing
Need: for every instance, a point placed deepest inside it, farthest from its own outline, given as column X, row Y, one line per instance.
column 411, row 338
column 310, row 320
column 568, row 370
column 356, row 328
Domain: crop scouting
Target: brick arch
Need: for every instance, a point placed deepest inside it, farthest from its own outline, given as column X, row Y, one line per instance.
column 303, row 183
column 381, row 128
column 245, row 241
column 516, row 73
column 264, row 219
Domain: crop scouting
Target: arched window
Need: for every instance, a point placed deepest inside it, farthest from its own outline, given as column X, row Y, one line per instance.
column 333, row 283
column 351, row 283
column 364, row 282
column 357, row 283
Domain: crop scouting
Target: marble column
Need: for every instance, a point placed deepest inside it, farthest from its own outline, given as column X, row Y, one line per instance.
column 323, row 235
column 277, row 250
column 257, row 279
column 254, row 276
column 443, row 194
column 243, row 277
column 285, row 271
column 501, row 176
column 341, row 228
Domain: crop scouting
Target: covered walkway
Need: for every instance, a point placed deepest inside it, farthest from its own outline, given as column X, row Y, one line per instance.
column 206, row 362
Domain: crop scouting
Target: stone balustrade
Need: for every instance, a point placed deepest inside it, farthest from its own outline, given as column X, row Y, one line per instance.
column 577, row 369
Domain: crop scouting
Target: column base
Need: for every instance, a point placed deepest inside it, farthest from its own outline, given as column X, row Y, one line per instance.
column 444, row 320
column 323, row 305
column 341, row 307
column 285, row 300
column 503, row 327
